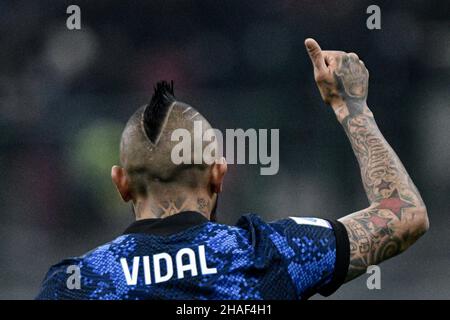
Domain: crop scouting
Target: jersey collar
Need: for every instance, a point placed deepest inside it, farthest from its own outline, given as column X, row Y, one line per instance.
column 166, row 226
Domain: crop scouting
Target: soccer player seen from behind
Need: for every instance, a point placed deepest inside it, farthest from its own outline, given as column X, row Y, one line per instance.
column 176, row 250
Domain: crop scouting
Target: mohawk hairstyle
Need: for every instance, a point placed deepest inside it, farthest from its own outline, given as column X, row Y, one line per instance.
column 156, row 111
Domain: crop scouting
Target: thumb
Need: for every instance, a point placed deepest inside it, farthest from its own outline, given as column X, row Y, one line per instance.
column 315, row 53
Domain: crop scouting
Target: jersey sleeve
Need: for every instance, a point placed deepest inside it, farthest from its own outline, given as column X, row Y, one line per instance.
column 316, row 253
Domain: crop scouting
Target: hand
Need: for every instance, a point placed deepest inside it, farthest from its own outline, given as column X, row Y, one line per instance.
column 341, row 77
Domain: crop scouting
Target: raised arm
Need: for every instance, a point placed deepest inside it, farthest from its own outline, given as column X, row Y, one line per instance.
column 397, row 216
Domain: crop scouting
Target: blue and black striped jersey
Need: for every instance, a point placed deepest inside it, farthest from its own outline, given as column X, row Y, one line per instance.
column 185, row 256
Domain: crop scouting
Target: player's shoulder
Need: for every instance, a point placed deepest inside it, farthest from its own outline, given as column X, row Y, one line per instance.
column 122, row 242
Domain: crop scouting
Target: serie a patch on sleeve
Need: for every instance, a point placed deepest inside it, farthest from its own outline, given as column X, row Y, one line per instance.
column 312, row 222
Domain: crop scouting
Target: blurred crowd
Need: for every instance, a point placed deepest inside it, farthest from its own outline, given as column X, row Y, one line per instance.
column 65, row 96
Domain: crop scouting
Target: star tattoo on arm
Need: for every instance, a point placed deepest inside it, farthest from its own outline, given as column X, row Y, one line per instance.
column 395, row 204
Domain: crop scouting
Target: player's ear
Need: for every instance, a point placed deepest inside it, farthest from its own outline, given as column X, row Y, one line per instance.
column 120, row 179
column 218, row 170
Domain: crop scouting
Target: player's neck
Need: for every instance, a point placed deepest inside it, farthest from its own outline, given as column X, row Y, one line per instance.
column 163, row 207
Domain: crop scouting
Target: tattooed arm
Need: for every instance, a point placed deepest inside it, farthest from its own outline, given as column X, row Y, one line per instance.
column 397, row 216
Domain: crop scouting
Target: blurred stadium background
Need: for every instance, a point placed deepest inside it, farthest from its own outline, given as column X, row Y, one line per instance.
column 65, row 96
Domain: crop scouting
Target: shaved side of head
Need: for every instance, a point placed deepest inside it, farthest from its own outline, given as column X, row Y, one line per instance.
column 146, row 145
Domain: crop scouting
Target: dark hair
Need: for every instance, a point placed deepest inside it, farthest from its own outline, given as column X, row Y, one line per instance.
column 156, row 111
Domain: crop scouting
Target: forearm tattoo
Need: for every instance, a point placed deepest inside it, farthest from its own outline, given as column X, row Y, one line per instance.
column 383, row 230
